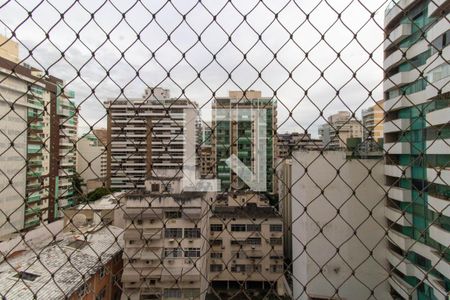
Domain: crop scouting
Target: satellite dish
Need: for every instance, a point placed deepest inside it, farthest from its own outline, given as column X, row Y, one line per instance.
column 79, row 220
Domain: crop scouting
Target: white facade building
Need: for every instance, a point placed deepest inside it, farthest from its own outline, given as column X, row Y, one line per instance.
column 335, row 232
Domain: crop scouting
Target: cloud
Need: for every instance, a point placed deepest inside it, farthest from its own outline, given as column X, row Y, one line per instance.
column 285, row 47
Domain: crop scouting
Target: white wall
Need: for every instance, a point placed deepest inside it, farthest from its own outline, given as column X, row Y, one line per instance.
column 337, row 228
column 13, row 126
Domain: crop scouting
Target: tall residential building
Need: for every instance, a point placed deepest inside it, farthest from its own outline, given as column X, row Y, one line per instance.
column 34, row 127
column 417, row 145
column 146, row 137
column 91, row 161
column 246, row 247
column 166, row 242
column 372, row 121
column 338, row 227
column 236, row 131
column 340, row 127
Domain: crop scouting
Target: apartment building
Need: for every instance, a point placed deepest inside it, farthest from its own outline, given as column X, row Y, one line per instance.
column 91, row 161
column 34, row 126
column 237, row 131
column 372, row 121
column 40, row 268
column 289, row 142
column 338, row 226
column 246, row 246
column 340, row 127
column 166, row 232
column 417, row 139
column 145, row 136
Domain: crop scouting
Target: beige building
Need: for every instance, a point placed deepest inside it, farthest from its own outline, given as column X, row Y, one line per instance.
column 246, row 240
column 166, row 242
column 91, row 161
column 9, row 49
column 340, row 127
column 373, row 119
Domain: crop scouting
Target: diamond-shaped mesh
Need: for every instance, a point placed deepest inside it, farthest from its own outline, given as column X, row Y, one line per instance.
column 207, row 149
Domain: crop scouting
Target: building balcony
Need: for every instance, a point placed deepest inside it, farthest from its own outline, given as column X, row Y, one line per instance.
column 397, row 171
column 400, row 262
column 439, row 204
column 394, row 59
column 396, row 125
column 33, row 198
column 400, row 240
column 396, row 35
column 397, row 148
column 399, row 194
column 402, row 287
column 397, row 216
column 400, row 79
column 32, row 223
column 32, row 211
column 440, row 235
column 438, row 117
column 395, row 9
column 442, row 178
column 406, row 101
column 438, row 146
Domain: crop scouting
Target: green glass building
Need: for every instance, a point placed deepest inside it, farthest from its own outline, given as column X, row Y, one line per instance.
column 417, row 145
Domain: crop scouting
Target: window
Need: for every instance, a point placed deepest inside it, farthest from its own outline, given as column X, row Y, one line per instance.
column 216, row 227
column 216, row 255
column 173, row 293
column 102, row 272
column 216, row 267
column 276, row 241
column 238, row 227
column 253, row 241
column 26, row 276
column 237, row 268
column 215, row 242
column 83, row 290
column 254, row 227
column 173, row 233
column 139, row 222
column 276, row 227
column 131, row 242
column 192, row 252
column 155, row 187
column 101, row 295
column 173, row 214
column 192, row 233
column 276, row 268
column 173, row 252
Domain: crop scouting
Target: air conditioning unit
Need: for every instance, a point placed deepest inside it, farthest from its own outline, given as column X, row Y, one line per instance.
column 272, row 234
column 234, row 261
column 170, row 261
column 171, row 240
column 223, row 247
column 191, row 241
column 212, row 233
column 188, row 261
column 253, row 247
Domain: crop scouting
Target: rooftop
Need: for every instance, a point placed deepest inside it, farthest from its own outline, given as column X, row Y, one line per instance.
column 106, row 202
column 51, row 275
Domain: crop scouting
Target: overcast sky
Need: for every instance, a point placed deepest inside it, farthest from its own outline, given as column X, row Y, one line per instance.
column 256, row 29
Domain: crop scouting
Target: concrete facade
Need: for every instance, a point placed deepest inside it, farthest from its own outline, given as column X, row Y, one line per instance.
column 337, row 232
